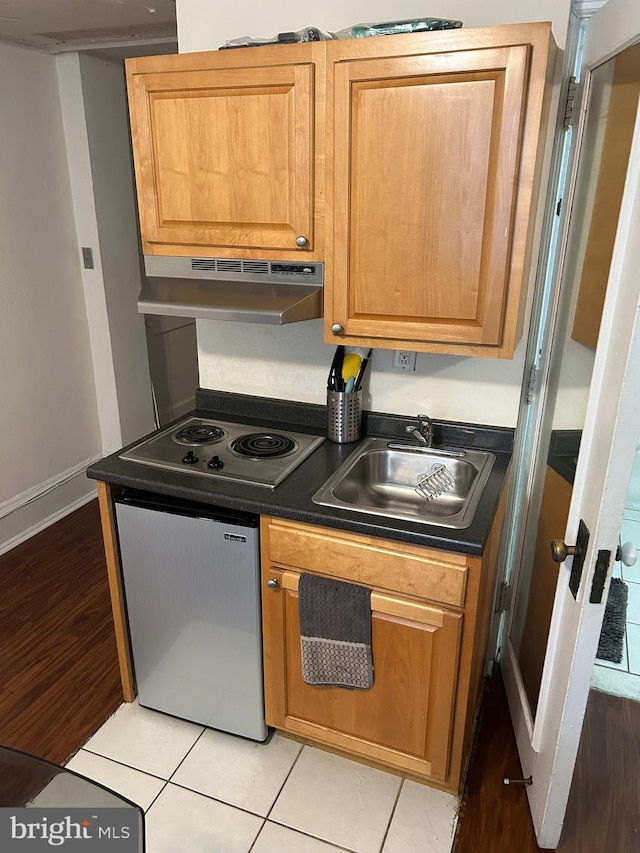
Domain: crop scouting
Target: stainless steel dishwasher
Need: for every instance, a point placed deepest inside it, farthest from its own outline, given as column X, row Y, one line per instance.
column 192, row 590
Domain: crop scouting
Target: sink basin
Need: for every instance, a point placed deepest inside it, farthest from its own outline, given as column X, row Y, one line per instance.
column 381, row 476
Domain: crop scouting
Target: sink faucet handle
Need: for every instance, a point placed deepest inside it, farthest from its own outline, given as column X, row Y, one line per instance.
column 423, row 432
column 426, row 428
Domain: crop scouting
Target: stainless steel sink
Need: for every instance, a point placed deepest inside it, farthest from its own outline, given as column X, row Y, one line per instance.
column 381, row 479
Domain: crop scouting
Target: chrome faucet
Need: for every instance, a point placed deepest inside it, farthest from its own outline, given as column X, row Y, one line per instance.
column 423, row 433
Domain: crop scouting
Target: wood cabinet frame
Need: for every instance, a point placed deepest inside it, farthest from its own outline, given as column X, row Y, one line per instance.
column 106, row 494
column 459, row 636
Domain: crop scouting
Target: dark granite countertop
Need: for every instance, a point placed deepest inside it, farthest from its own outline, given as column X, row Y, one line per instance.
column 292, row 497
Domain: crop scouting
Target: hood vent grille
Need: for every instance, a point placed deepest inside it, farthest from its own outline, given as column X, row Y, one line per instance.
column 223, row 265
column 203, row 264
column 250, row 267
column 260, row 267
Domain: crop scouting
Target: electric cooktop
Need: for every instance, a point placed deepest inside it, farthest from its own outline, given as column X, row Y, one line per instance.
column 230, row 451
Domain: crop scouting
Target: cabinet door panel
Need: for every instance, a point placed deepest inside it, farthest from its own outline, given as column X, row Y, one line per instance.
column 425, row 245
column 224, row 157
column 406, row 717
column 425, row 169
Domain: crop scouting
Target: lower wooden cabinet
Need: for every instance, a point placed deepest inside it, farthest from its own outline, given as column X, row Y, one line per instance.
column 428, row 655
column 405, row 718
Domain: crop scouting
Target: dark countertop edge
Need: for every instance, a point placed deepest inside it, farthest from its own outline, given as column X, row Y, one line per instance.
column 564, row 447
column 292, row 498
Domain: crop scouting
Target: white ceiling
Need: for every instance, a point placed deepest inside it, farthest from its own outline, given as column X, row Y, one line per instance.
column 54, row 26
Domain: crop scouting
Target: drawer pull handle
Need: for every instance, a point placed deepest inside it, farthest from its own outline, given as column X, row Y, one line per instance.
column 272, row 583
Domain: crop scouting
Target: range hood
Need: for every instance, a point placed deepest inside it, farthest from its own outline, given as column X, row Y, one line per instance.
column 249, row 291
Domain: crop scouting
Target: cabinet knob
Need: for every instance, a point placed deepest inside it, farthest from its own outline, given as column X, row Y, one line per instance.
column 337, row 329
column 272, row 583
column 301, row 241
column 560, row 551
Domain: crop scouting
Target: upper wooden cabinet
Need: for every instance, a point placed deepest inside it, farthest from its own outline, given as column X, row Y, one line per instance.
column 229, row 151
column 432, row 165
column 432, row 144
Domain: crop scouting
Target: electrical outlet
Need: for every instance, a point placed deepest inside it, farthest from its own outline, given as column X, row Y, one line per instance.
column 403, row 360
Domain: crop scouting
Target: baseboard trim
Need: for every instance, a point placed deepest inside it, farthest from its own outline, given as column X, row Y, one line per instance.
column 38, row 508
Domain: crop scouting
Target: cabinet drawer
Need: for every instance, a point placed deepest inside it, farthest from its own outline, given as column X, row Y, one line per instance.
column 409, row 569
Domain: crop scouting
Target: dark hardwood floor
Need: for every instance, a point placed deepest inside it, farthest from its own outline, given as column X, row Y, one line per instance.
column 59, row 677
column 603, row 815
column 59, row 682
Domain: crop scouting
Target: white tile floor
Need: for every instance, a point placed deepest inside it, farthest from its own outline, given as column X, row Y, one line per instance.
column 623, row 679
column 208, row 792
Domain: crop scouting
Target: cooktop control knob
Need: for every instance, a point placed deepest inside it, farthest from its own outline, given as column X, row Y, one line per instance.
column 216, row 463
column 190, row 458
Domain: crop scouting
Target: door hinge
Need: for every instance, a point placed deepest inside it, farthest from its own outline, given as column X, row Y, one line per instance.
column 569, row 104
column 531, row 384
column 503, row 597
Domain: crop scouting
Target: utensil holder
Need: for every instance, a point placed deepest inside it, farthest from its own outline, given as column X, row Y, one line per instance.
column 344, row 416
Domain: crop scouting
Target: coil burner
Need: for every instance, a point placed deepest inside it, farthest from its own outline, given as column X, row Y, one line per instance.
column 198, row 434
column 263, row 445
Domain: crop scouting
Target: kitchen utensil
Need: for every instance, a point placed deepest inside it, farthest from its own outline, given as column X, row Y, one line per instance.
column 334, row 382
column 348, row 388
column 351, row 365
column 363, row 367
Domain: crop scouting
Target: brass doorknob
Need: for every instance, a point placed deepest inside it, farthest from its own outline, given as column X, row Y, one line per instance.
column 560, row 551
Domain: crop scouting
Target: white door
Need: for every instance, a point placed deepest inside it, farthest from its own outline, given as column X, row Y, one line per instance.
column 601, row 404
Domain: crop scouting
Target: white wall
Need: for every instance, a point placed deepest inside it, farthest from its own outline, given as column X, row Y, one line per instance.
column 292, row 362
column 106, row 113
column 96, row 127
column 49, row 426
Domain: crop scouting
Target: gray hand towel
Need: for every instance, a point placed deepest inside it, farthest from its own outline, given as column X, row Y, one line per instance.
column 335, row 632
